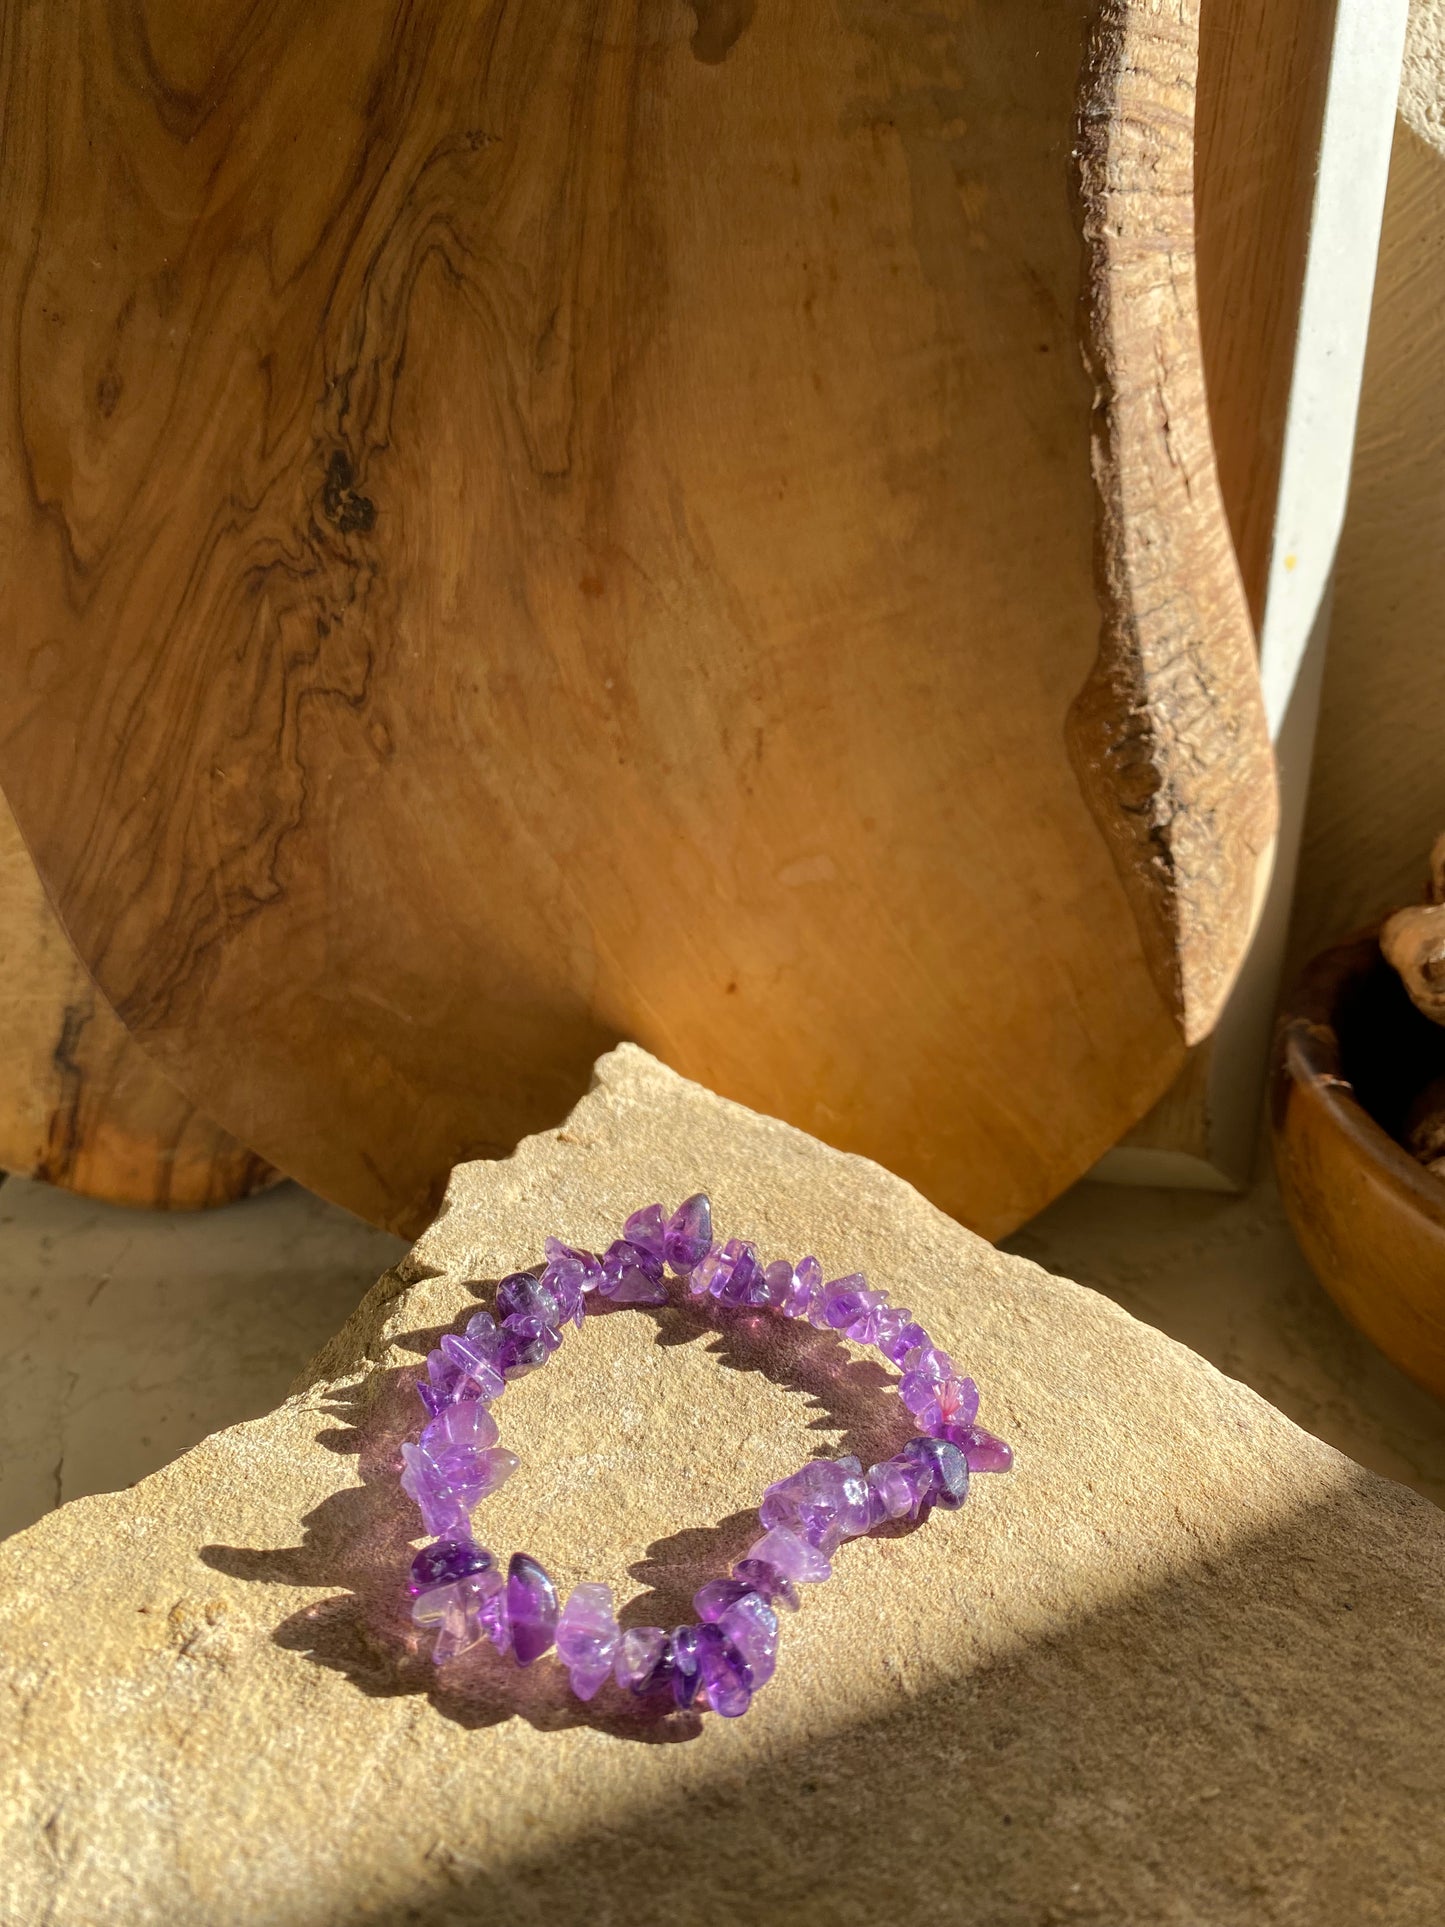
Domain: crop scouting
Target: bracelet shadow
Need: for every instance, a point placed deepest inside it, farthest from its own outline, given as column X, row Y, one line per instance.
column 361, row 1539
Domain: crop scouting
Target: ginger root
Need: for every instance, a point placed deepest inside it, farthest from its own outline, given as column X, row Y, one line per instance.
column 1413, row 941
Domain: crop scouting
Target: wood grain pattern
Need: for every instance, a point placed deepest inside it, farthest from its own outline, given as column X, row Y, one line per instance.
column 1352, row 1056
column 81, row 1105
column 1168, row 735
column 556, row 523
column 1262, row 79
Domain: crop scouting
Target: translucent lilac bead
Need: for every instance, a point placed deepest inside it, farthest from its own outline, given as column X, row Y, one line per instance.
column 806, row 1283
column 531, row 1297
column 743, row 1275
column 898, row 1487
column 567, row 1282
column 793, row 1557
column 641, row 1651
column 772, row 1587
column 647, row 1229
column 589, row 1265
column 907, row 1339
column 844, row 1300
column 632, row 1276
column 526, row 1343
column 824, row 1502
column 731, row 1274
column 455, row 1436
column 711, row 1601
column 864, row 1328
column 683, row 1655
column 981, row 1449
column 623, row 1256
column 726, row 1676
column 688, row 1236
column 949, row 1470
column 455, row 1612
column 777, row 1283
column 587, row 1638
column 430, row 1397
column 927, row 1361
column 446, row 1509
column 460, row 1368
column 476, row 1355
column 444, row 1513
column 531, row 1608
column 752, row 1626
column 445, row 1561
column 447, row 1381
column 954, row 1402
column 494, row 1620
column 454, row 1465
column 888, row 1325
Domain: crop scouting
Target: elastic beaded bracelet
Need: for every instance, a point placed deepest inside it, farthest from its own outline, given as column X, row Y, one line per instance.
column 456, row 1585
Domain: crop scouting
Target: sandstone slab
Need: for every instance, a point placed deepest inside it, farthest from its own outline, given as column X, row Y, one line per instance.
column 1183, row 1665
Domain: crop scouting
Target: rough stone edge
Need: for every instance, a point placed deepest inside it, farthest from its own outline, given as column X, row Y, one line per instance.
column 1168, row 737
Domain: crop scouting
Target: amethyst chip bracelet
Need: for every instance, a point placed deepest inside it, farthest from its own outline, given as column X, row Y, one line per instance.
column 458, row 1589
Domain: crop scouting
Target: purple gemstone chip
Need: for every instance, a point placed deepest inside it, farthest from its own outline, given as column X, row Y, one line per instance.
column 647, row 1229
column 948, row 1467
column 531, row 1608
column 445, row 1560
column 981, row 1449
column 587, row 1638
column 688, row 1234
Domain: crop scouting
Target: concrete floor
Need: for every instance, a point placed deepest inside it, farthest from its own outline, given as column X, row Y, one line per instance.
column 128, row 1336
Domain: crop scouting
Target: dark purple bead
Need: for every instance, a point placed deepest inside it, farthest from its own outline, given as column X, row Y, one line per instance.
column 688, row 1236
column 448, row 1559
column 764, row 1578
column 948, row 1466
column 531, row 1608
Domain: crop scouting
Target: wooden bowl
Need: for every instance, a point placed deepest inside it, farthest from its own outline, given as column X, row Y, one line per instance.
column 1352, row 1055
